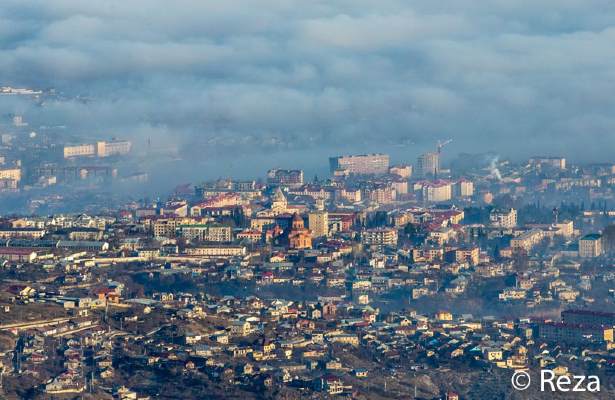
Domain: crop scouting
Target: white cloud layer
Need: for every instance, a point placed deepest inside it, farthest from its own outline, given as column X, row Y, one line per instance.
column 517, row 77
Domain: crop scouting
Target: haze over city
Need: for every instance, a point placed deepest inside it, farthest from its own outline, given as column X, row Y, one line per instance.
column 283, row 199
column 315, row 77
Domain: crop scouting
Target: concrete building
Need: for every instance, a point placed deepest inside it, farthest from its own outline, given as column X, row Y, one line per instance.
column 468, row 254
column 18, row 254
column 573, row 333
column 10, row 173
column 550, row 162
column 165, row 228
column 279, row 204
column 80, row 233
column 403, row 171
column 352, row 195
column 364, row 164
column 428, row 164
column 318, row 222
column 464, row 188
column 590, row 246
column 22, row 233
column 503, row 218
column 437, row 191
column 217, row 251
column 380, row 194
column 79, row 150
column 285, row 177
column 379, row 236
column 400, row 185
column 527, row 240
column 588, row 317
column 112, row 148
column 100, row 149
column 565, row 228
column 205, row 232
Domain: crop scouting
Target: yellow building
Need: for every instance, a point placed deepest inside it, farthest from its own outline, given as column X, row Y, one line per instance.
column 11, row 173
column 112, row 148
column 299, row 237
column 470, row 255
column 527, row 240
column 444, row 316
column 21, row 233
column 79, row 150
column 492, row 354
column 279, row 204
column 503, row 218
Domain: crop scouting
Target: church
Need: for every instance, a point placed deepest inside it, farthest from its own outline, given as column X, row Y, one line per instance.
column 299, row 237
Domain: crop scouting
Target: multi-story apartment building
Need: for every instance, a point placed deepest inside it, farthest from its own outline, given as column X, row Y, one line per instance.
column 100, row 149
column 526, row 240
column 552, row 162
column 379, row 236
column 352, row 195
column 364, row 164
column 217, row 251
column 318, row 223
column 400, row 185
column 467, row 254
column 112, row 148
column 428, row 164
column 285, row 177
column 437, row 191
column 165, row 228
column 205, row 232
column 588, row 317
column 22, row 233
column 574, row 333
column 590, row 246
column 79, row 150
column 464, row 188
column 503, row 218
column 10, row 173
column 380, row 194
column 403, row 171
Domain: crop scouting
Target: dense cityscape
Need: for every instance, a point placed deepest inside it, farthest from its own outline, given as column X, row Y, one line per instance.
column 307, row 200
column 416, row 280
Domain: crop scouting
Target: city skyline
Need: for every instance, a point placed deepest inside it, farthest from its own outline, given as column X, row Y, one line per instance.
column 331, row 199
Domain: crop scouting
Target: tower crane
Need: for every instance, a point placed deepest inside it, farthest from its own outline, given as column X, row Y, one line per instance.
column 441, row 144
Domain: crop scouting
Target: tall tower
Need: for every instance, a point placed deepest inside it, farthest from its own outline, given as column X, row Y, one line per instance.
column 319, row 223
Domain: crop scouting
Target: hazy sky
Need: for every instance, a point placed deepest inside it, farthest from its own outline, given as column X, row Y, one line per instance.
column 514, row 76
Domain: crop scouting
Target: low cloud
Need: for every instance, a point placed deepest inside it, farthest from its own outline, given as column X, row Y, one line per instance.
column 517, row 77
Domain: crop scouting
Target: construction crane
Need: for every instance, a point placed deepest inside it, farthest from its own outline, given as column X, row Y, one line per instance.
column 441, row 144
